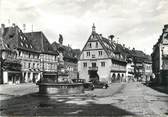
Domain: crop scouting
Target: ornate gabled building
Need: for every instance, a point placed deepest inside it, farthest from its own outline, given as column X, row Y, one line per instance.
column 14, row 39
column 33, row 51
column 101, row 59
column 160, row 57
column 10, row 68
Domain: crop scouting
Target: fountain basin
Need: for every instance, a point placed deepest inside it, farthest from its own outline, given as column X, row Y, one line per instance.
column 61, row 88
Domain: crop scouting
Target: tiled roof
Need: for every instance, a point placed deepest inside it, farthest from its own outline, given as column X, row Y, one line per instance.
column 76, row 53
column 40, row 42
column 2, row 44
column 162, row 37
column 14, row 38
column 116, row 48
column 68, row 52
column 138, row 53
column 110, row 47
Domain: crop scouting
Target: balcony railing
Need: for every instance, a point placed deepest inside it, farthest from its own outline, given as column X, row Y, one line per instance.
column 93, row 68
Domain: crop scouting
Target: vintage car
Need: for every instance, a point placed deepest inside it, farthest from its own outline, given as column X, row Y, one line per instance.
column 99, row 84
column 87, row 85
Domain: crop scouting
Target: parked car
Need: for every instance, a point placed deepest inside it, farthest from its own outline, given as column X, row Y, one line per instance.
column 99, row 84
column 88, row 86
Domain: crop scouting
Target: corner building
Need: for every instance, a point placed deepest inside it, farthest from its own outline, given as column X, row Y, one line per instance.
column 160, row 58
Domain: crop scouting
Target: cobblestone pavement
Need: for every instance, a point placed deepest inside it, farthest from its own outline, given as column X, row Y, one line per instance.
column 120, row 99
column 15, row 90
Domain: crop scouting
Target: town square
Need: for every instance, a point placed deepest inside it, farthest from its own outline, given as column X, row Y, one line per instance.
column 98, row 58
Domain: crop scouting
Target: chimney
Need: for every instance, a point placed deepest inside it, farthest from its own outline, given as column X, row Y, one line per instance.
column 124, row 46
column 13, row 25
column 60, row 39
column 165, row 28
column 2, row 29
column 24, row 28
column 111, row 38
column 100, row 35
column 93, row 28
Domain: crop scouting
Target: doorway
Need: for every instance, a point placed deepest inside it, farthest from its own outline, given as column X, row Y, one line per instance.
column 93, row 76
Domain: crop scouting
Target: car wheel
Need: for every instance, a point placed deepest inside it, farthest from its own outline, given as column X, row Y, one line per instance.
column 104, row 87
column 92, row 88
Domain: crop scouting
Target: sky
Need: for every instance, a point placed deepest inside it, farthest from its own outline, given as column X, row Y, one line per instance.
column 135, row 23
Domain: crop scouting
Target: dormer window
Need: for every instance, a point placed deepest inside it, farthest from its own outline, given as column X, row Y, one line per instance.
column 21, row 37
column 24, row 38
column 31, row 46
column 21, row 44
column 27, row 46
column 11, row 35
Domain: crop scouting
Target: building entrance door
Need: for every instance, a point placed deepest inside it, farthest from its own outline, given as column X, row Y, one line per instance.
column 93, row 76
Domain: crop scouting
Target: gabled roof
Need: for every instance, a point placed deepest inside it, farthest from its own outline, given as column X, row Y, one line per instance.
column 40, row 42
column 14, row 38
column 108, row 46
column 111, row 48
column 163, row 36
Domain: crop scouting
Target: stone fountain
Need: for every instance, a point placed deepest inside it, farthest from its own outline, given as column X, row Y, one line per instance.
column 60, row 83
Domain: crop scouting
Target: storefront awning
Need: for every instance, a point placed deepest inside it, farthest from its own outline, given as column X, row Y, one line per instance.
column 34, row 70
column 50, row 73
column 120, row 71
column 16, row 72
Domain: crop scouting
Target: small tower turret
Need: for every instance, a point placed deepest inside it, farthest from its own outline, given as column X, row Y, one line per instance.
column 93, row 28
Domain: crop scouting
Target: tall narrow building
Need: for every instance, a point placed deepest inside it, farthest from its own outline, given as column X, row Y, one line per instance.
column 160, row 57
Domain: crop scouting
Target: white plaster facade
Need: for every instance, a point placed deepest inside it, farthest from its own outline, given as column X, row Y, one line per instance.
column 95, row 56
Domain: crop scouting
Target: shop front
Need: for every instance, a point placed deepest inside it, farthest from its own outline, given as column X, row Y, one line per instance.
column 12, row 77
column 11, row 70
